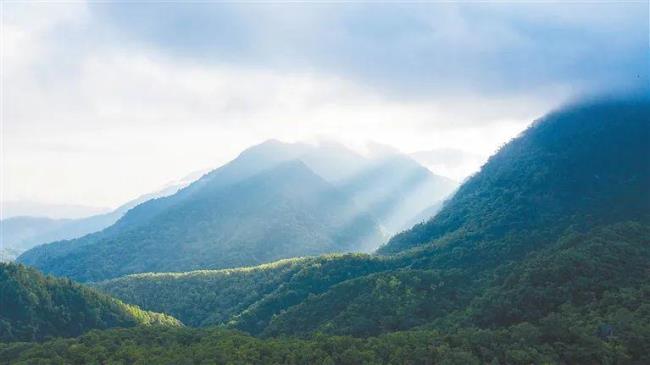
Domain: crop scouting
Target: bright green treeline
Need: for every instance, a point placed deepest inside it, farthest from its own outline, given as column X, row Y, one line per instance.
column 205, row 297
column 37, row 307
column 246, row 298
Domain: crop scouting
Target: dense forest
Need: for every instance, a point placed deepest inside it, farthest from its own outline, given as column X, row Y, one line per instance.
column 204, row 297
column 569, row 336
column 254, row 294
column 37, row 307
column 541, row 257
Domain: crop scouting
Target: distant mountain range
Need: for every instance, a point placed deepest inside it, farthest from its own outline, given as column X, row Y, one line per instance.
column 21, row 233
column 274, row 201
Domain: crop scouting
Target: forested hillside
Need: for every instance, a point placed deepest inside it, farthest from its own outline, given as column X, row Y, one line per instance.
column 249, row 296
column 587, row 164
column 204, row 297
column 286, row 211
column 35, row 307
column 581, row 271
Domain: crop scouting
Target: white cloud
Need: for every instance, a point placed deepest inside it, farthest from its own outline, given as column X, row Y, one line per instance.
column 98, row 124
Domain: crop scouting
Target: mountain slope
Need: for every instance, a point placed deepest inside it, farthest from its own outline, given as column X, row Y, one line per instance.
column 583, row 270
column 582, row 172
column 587, row 165
column 203, row 297
column 553, row 199
column 36, row 307
column 286, row 211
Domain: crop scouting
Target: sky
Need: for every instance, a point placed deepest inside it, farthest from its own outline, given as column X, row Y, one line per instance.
column 105, row 101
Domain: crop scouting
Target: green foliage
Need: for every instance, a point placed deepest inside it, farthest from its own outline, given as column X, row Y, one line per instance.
column 581, row 270
column 315, row 277
column 205, row 297
column 246, row 298
column 375, row 304
column 36, row 307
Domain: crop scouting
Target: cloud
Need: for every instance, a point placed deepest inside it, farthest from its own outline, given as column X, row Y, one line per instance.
column 408, row 50
column 111, row 100
column 452, row 162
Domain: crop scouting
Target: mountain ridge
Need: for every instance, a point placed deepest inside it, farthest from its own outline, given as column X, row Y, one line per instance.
column 206, row 218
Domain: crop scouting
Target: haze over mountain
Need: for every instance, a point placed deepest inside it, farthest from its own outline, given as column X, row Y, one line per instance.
column 21, row 233
column 276, row 200
column 549, row 241
column 23, row 208
column 397, row 190
column 450, row 162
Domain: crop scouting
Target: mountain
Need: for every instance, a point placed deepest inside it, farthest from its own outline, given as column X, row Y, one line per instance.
column 541, row 257
column 212, row 297
column 393, row 187
column 209, row 297
column 582, row 166
column 19, row 234
column 332, row 161
column 22, row 233
column 577, row 177
column 35, row 307
column 275, row 200
column 281, row 212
